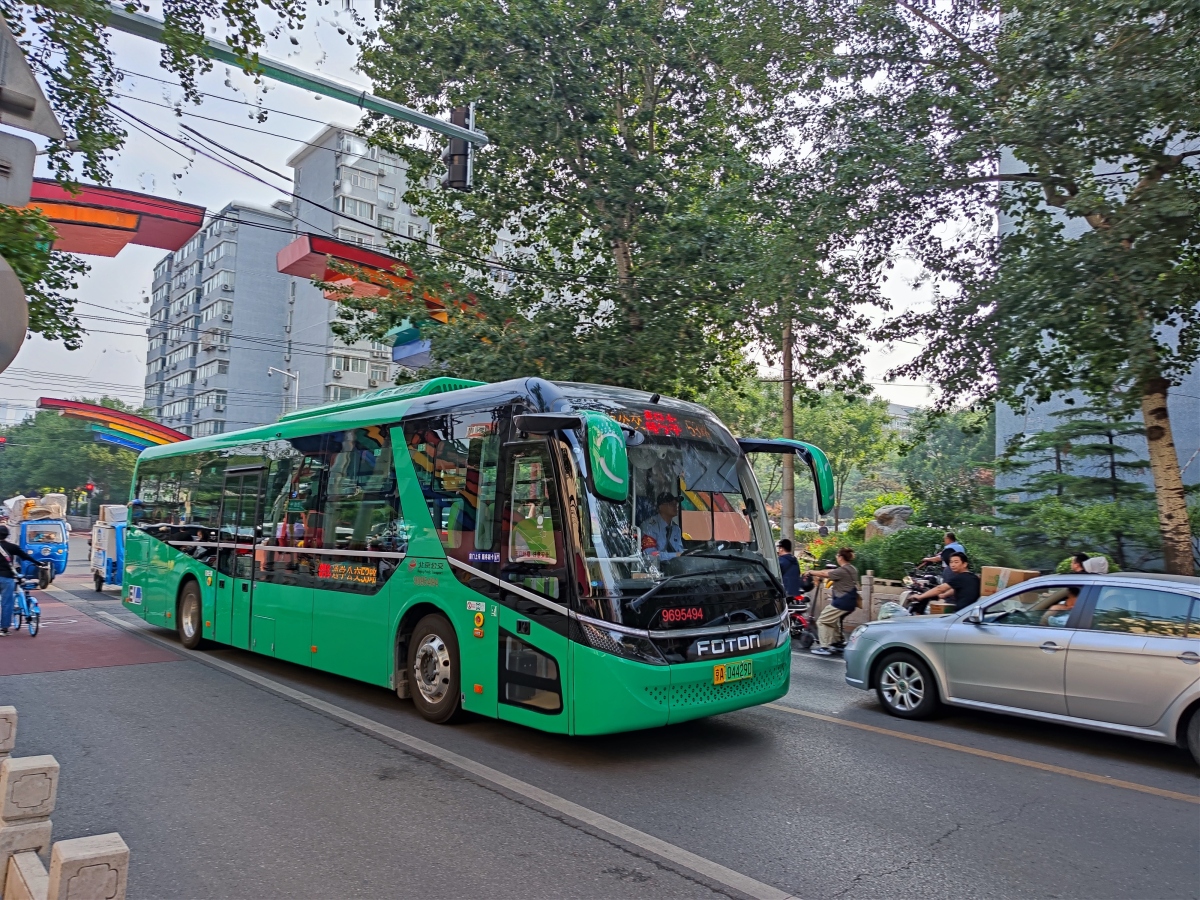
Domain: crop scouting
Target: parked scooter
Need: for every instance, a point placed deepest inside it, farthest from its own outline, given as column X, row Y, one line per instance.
column 920, row 578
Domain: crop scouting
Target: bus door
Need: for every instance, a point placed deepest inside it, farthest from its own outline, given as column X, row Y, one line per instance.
column 240, row 500
column 532, row 626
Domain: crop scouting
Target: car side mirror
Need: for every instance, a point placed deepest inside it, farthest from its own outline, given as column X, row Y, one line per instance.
column 975, row 616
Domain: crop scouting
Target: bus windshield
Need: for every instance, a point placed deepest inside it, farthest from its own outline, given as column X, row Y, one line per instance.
column 693, row 524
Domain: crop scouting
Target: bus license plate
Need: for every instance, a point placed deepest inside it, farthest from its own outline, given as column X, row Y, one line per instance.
column 733, row 671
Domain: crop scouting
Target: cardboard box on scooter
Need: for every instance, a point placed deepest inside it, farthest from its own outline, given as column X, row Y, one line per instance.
column 997, row 578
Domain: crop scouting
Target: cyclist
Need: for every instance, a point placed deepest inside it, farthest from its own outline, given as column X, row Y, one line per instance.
column 10, row 571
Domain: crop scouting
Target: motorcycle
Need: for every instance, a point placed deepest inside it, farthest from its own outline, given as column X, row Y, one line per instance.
column 918, row 580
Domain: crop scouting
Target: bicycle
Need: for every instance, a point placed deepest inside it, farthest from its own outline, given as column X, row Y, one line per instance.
column 25, row 608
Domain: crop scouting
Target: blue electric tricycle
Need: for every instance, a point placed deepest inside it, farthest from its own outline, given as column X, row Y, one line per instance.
column 46, row 540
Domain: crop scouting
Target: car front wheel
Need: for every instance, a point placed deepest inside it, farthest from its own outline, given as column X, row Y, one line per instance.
column 906, row 687
column 1193, row 735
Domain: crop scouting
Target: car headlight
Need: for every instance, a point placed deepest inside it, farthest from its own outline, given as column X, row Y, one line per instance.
column 855, row 635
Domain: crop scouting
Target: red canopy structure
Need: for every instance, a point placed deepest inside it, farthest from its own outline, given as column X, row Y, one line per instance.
column 100, row 221
column 312, row 256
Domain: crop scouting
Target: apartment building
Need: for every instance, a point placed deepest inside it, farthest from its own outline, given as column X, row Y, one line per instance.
column 222, row 314
column 354, row 193
column 218, row 312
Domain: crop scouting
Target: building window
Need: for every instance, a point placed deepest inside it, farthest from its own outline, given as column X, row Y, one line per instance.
column 207, row 427
column 211, row 369
column 186, row 352
column 217, row 310
column 157, row 341
column 155, row 365
column 387, row 196
column 212, row 398
column 225, row 248
column 354, row 237
column 358, row 178
column 342, row 392
column 160, row 293
column 183, row 303
column 379, row 373
column 387, row 223
column 352, row 144
column 178, row 408
column 223, row 280
column 350, row 364
column 183, row 331
column 226, row 223
column 183, row 379
column 185, row 276
column 211, row 339
column 162, row 269
column 359, row 209
column 188, row 249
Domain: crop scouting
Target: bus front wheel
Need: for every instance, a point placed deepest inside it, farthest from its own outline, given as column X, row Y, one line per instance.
column 187, row 617
column 433, row 669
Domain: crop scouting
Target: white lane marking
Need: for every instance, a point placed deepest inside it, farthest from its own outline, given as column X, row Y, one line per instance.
column 670, row 852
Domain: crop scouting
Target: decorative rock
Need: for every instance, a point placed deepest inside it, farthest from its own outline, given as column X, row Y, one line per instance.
column 888, row 520
column 89, row 868
column 28, row 787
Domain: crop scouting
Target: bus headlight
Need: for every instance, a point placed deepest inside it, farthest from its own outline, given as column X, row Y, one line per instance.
column 619, row 642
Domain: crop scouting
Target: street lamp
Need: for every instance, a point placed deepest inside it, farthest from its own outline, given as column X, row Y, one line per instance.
column 295, row 383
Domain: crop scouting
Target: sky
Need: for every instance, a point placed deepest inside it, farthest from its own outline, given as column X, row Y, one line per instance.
column 112, row 358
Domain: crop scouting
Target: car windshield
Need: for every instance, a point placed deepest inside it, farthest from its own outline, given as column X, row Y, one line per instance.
column 693, row 523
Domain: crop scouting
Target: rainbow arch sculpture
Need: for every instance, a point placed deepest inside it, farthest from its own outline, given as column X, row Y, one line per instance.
column 111, row 426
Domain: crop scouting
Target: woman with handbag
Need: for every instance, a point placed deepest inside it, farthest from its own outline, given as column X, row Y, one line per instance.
column 844, row 593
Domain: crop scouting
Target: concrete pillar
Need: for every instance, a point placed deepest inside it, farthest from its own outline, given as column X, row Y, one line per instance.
column 868, row 593
column 89, row 868
column 8, row 730
column 28, row 789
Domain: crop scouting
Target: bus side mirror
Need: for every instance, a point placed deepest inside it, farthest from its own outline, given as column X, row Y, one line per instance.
column 607, row 458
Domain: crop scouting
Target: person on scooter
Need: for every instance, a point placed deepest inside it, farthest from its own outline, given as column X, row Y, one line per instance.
column 962, row 586
column 844, row 600
column 789, row 568
column 950, row 545
column 10, row 571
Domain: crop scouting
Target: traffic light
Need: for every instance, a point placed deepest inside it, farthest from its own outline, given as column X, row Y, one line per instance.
column 90, row 488
column 459, row 156
column 3, row 443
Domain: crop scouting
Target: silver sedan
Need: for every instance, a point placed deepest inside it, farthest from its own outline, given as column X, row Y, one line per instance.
column 1117, row 653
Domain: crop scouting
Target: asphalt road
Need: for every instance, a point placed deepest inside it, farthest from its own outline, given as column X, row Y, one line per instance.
column 232, row 775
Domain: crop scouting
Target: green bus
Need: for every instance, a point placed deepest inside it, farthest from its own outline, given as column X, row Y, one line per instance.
column 487, row 548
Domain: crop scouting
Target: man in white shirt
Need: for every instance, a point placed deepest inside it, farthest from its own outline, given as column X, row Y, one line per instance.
column 660, row 532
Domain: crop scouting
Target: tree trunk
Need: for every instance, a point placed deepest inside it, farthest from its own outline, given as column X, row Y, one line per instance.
column 1173, row 522
column 787, row 520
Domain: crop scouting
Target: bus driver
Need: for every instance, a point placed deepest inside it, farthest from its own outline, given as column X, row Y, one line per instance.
column 660, row 532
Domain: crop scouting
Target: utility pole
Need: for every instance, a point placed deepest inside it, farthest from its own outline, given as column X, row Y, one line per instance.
column 787, row 521
column 295, row 376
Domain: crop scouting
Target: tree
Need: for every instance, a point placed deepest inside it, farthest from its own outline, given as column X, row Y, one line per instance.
column 1081, row 490
column 66, row 44
column 1075, row 125
column 25, row 238
column 855, row 433
column 948, row 463
column 48, row 452
column 608, row 234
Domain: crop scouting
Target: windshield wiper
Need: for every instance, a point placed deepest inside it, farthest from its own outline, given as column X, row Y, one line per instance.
column 749, row 557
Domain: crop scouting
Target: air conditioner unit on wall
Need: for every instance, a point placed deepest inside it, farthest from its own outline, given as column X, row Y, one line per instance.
column 373, row 382
column 391, row 204
column 337, row 373
column 226, row 317
column 218, row 407
column 227, row 287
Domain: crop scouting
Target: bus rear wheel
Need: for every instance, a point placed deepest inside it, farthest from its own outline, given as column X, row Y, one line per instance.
column 433, row 669
column 187, row 617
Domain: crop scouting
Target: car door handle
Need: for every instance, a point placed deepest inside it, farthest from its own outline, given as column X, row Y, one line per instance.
column 1189, row 657
column 1051, row 647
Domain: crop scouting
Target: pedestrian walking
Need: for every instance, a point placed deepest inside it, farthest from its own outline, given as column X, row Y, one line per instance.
column 9, row 573
column 844, row 600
